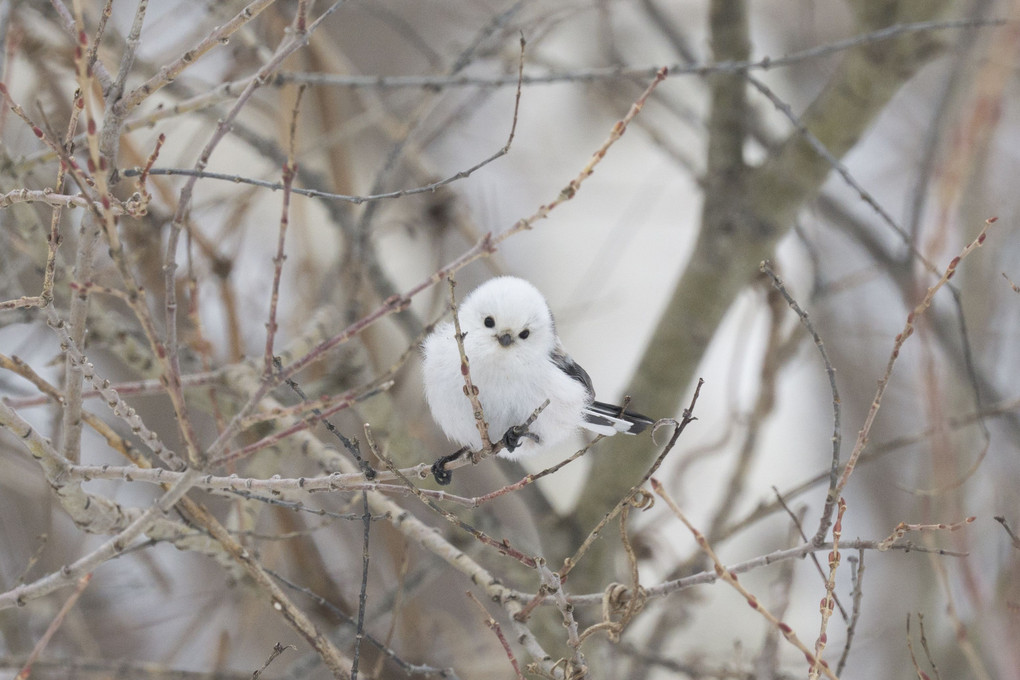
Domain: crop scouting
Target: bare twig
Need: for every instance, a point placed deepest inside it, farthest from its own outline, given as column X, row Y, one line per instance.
column 924, row 645
column 1014, row 539
column 627, row 601
column 218, row 37
column 830, row 588
column 875, row 452
column 678, row 428
column 289, row 169
column 493, row 625
column 334, row 660
column 799, row 527
column 469, row 387
column 245, row 418
column 385, row 651
column 730, row 578
column 531, row 478
column 442, row 468
column 902, row 528
column 576, row 666
column 137, row 387
column 975, row 662
column 114, row 401
column 359, row 631
column 91, row 512
column 55, row 624
column 843, row 172
column 921, row 675
column 278, row 649
column 837, row 430
column 431, row 187
column 858, row 598
column 908, row 329
column 633, row 72
column 710, row 576
column 112, row 547
column 503, row 547
column 173, row 371
column 1016, row 288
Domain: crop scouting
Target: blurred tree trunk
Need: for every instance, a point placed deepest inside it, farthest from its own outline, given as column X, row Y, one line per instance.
column 747, row 210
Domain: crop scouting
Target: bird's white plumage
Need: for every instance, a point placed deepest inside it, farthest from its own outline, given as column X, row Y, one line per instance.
column 516, row 362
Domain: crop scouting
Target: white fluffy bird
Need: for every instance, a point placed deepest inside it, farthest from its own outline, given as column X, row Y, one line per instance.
column 516, row 362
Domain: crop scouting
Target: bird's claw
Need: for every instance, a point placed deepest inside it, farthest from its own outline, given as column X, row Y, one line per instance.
column 513, row 436
column 511, row 440
column 439, row 471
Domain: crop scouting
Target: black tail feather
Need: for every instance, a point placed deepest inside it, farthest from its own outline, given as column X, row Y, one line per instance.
column 609, row 415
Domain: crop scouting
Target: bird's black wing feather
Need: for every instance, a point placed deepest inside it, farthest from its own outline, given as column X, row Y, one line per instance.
column 573, row 369
column 600, row 413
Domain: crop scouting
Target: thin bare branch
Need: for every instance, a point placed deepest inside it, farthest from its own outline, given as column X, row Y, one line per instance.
column 730, row 578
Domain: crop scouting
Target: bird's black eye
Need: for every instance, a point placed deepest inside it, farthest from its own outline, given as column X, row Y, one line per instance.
column 489, row 322
column 523, row 335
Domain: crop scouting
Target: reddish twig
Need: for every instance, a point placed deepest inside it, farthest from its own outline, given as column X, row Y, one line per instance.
column 469, row 387
column 1016, row 288
column 289, row 170
column 902, row 528
column 830, row 588
column 731, row 579
column 908, row 329
column 495, row 628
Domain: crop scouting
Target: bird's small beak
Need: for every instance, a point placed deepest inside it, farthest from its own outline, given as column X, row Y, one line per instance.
column 505, row 339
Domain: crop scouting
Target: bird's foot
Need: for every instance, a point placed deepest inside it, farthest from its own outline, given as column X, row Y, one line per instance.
column 513, row 436
column 439, row 471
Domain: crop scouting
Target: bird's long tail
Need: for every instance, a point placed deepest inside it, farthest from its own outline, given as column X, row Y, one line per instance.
column 607, row 419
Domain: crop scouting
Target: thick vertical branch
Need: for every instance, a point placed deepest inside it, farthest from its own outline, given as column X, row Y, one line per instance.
column 728, row 121
column 690, row 320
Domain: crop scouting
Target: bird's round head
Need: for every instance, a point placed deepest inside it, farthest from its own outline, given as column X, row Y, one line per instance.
column 508, row 314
